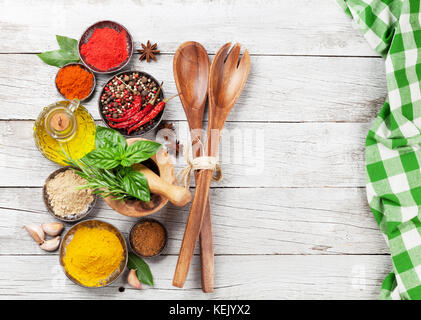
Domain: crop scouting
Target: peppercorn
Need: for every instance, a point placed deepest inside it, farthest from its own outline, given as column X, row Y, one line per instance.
column 119, row 93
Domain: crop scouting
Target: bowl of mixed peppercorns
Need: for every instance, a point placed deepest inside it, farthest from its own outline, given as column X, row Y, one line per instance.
column 132, row 102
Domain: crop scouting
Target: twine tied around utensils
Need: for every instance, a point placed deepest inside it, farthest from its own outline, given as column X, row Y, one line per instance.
column 199, row 163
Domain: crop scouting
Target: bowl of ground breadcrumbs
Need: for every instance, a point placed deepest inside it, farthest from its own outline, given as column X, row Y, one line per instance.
column 63, row 197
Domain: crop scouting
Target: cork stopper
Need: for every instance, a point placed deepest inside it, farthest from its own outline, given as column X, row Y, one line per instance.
column 60, row 121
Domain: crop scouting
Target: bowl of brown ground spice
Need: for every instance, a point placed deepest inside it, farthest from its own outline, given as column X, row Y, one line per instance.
column 148, row 238
column 62, row 198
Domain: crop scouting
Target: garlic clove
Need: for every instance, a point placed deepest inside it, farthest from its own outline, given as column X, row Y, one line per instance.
column 35, row 232
column 133, row 280
column 52, row 228
column 51, row 245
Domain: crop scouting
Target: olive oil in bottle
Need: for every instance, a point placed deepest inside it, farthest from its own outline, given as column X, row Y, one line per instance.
column 64, row 125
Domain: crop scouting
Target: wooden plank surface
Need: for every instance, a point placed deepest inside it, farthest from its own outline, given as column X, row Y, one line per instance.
column 236, row 277
column 246, row 221
column 291, row 89
column 298, row 27
column 261, row 155
column 292, row 205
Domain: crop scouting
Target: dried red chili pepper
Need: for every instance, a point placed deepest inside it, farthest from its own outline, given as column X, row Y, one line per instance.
column 151, row 115
column 136, row 118
column 130, row 113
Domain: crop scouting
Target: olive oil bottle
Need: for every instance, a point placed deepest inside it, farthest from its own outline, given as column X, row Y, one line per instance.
column 64, row 125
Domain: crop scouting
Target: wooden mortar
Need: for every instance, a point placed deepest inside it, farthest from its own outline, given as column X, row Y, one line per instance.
column 137, row 208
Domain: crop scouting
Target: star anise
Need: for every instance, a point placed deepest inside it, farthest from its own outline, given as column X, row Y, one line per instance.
column 148, row 52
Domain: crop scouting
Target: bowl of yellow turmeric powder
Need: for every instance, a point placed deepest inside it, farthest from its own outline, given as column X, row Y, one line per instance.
column 93, row 253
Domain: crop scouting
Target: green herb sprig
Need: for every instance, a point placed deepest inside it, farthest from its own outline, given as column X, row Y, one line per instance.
column 67, row 53
column 107, row 169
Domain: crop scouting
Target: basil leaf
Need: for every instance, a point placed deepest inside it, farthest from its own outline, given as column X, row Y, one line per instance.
column 68, row 44
column 139, row 151
column 121, row 172
column 136, row 185
column 106, row 137
column 105, row 158
column 127, row 163
column 58, row 58
column 143, row 272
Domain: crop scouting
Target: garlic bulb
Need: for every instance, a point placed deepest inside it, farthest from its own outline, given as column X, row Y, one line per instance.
column 36, row 232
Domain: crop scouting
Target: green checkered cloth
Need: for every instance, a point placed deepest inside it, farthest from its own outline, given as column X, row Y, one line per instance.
column 393, row 153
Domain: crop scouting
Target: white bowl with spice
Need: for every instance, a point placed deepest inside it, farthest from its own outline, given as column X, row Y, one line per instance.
column 62, row 198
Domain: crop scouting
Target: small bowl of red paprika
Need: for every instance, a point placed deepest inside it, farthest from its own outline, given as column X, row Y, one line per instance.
column 75, row 80
column 106, row 47
column 132, row 102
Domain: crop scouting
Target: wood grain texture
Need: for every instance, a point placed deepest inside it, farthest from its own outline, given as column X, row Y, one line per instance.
column 292, row 89
column 246, row 221
column 269, row 155
column 207, row 252
column 298, row 228
column 227, row 77
column 192, row 229
column 236, row 277
column 298, row 27
column 191, row 73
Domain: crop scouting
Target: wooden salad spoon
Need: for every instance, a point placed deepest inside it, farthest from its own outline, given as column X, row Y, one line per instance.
column 191, row 73
column 227, row 78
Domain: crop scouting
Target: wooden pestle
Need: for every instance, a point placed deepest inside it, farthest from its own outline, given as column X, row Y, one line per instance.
column 177, row 195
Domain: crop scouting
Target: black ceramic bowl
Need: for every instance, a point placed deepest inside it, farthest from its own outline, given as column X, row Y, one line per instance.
column 147, row 127
column 106, row 24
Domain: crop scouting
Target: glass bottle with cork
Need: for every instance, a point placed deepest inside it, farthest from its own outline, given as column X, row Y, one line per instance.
column 64, row 125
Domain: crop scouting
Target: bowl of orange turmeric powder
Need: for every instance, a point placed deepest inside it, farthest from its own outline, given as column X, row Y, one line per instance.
column 93, row 253
column 74, row 80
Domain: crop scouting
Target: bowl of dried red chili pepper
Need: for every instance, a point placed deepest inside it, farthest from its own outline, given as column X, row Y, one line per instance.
column 132, row 102
column 106, row 47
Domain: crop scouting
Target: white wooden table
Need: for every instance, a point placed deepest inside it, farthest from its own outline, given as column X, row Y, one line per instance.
column 299, row 228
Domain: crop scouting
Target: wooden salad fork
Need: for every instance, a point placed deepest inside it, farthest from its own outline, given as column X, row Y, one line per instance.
column 227, row 78
column 191, row 73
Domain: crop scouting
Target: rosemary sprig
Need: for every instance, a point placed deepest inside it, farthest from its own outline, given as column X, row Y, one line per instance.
column 100, row 180
column 108, row 168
